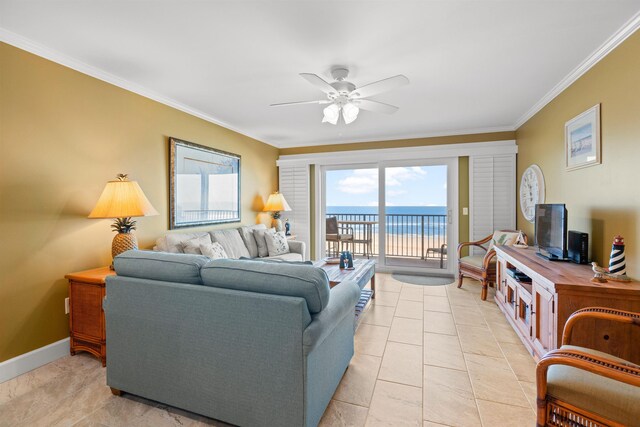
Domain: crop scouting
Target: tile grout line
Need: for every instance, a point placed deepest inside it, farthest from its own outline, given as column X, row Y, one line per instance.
column 475, row 399
column 508, row 361
column 384, row 351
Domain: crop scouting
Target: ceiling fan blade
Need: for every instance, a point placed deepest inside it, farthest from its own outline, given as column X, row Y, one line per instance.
column 379, row 86
column 318, row 82
column 286, row 104
column 375, row 106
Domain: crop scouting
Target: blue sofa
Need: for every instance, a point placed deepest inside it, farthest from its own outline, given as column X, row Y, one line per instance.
column 247, row 342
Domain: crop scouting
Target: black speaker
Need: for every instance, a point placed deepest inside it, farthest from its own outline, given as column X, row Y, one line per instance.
column 578, row 247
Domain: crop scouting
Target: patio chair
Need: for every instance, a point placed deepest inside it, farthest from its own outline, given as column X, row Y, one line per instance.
column 441, row 251
column 483, row 267
column 338, row 235
column 581, row 387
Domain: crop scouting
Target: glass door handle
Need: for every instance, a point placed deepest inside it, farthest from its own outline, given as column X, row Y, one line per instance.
column 449, row 216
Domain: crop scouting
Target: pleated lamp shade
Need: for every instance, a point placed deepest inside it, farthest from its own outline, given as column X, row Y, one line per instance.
column 122, row 199
column 276, row 203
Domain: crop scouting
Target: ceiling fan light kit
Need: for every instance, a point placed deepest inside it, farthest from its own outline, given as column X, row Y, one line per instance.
column 343, row 96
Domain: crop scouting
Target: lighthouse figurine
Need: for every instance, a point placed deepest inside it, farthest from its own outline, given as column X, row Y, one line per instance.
column 617, row 263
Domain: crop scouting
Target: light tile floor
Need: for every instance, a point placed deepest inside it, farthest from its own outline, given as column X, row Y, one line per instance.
column 425, row 356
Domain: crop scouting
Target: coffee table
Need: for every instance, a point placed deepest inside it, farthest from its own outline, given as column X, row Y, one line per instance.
column 364, row 270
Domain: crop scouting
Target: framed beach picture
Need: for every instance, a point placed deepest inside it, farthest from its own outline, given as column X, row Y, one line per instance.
column 204, row 185
column 582, row 139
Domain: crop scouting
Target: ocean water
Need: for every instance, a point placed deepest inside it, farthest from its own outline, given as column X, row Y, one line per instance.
column 400, row 219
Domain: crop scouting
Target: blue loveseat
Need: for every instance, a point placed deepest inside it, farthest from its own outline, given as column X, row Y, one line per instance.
column 250, row 343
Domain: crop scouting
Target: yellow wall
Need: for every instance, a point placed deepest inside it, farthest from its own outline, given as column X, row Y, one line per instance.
column 63, row 135
column 603, row 200
column 463, row 167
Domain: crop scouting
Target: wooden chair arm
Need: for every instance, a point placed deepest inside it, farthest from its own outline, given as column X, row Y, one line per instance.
column 477, row 243
column 615, row 370
column 621, row 316
column 487, row 258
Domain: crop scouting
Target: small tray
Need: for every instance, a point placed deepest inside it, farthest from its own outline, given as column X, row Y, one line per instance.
column 332, row 260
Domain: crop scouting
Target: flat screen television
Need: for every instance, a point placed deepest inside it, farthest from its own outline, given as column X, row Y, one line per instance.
column 551, row 231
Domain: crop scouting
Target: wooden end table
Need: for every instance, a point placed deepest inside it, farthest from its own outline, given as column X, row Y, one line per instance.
column 86, row 317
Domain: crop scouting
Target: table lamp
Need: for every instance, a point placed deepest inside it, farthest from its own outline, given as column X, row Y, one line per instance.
column 275, row 204
column 122, row 199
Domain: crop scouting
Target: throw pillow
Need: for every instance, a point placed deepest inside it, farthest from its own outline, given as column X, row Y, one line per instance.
column 231, row 242
column 506, row 238
column 192, row 246
column 263, row 250
column 277, row 243
column 249, row 239
column 213, row 251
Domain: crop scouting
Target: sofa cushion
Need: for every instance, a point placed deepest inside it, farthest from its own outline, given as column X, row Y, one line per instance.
column 291, row 256
column 173, row 241
column 192, row 246
column 282, row 258
column 231, row 242
column 277, row 278
column 213, row 251
column 165, row 266
column 276, row 243
column 611, row 399
column 249, row 239
column 263, row 250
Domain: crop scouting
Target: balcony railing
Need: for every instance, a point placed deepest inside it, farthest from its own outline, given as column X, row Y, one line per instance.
column 407, row 235
column 206, row 215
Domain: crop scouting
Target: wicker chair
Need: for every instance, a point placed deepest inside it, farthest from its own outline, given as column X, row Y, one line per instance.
column 480, row 267
column 338, row 235
column 578, row 387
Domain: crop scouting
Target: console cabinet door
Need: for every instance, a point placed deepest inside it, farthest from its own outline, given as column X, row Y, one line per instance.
column 511, row 297
column 523, row 313
column 543, row 320
column 500, row 282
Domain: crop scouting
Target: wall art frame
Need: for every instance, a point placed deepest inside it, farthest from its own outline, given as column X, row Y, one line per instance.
column 204, row 185
column 582, row 140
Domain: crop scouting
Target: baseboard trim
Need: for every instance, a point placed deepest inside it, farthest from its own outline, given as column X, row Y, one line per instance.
column 34, row 359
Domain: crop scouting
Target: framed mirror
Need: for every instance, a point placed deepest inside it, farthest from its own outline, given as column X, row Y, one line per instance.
column 204, row 185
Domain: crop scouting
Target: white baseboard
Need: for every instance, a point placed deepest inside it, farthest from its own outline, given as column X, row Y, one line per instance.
column 34, row 359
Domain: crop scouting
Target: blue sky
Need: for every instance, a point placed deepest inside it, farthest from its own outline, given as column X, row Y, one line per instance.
column 406, row 186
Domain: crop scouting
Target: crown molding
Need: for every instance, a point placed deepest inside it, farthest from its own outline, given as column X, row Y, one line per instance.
column 458, row 132
column 30, row 46
column 614, row 41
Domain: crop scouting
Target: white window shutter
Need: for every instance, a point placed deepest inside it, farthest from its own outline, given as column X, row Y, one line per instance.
column 492, row 187
column 294, row 185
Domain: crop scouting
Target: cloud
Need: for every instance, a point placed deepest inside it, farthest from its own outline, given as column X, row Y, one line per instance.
column 419, row 170
column 361, row 181
column 396, row 176
column 365, row 181
column 444, row 185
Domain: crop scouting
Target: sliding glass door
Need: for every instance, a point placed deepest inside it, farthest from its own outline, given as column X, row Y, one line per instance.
column 398, row 213
column 351, row 210
column 416, row 216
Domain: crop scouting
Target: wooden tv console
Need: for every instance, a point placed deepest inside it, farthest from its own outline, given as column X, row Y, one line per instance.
column 537, row 311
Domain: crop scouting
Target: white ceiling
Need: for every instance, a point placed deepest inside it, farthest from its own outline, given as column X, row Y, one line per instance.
column 474, row 65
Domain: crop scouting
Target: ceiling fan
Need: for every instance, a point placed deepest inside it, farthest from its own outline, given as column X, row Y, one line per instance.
column 343, row 96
